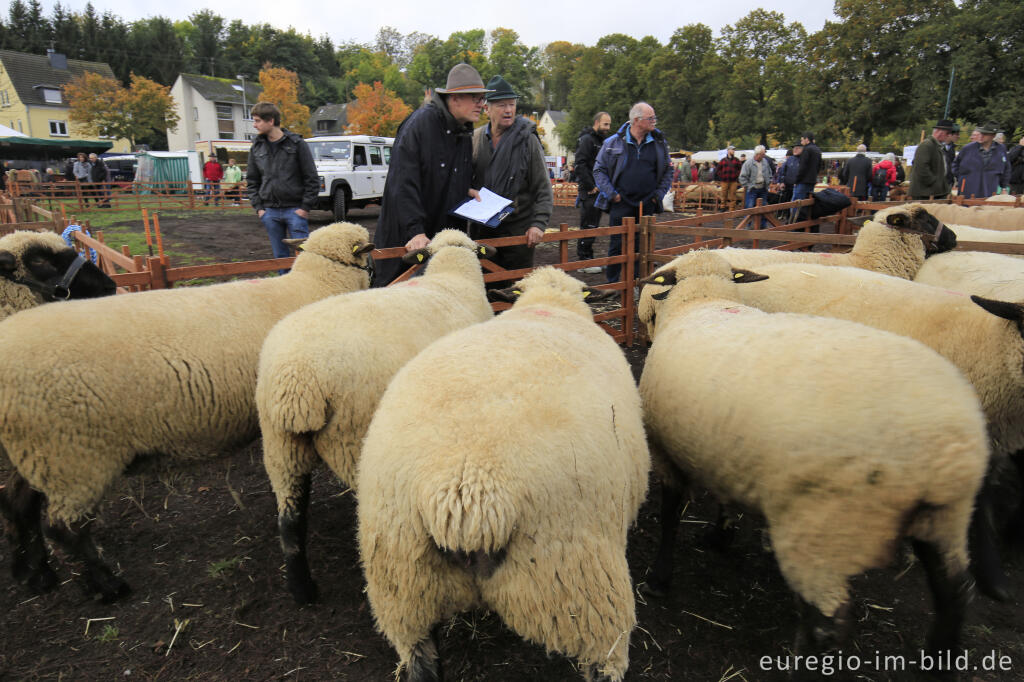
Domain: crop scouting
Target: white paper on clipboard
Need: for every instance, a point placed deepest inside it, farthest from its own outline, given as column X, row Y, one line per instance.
column 490, row 205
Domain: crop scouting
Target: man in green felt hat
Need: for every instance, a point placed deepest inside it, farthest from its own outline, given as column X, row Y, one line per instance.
column 508, row 159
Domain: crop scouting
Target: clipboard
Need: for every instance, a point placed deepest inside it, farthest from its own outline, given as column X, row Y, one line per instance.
column 489, row 211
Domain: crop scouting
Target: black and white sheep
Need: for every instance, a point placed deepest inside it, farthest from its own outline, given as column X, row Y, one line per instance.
column 167, row 374
column 503, row 467
column 323, row 369
column 846, row 438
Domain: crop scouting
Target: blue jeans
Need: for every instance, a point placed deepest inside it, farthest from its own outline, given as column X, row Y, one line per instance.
column 750, row 197
column 281, row 223
column 800, row 191
column 212, row 190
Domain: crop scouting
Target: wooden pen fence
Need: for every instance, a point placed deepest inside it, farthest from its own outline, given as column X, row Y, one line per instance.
column 649, row 245
column 88, row 196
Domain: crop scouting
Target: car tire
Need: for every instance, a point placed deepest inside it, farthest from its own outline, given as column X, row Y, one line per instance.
column 340, row 209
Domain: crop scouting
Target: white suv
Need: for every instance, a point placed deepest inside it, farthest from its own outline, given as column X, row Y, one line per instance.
column 352, row 170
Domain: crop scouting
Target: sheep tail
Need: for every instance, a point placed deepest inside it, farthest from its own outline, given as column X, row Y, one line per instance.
column 471, row 521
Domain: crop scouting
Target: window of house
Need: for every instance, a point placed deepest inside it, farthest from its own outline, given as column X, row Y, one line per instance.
column 324, row 124
column 195, row 113
column 224, row 111
column 58, row 128
column 52, row 95
column 4, row 99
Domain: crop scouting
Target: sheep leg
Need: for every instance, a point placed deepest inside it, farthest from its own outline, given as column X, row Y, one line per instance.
column 985, row 559
column 293, row 524
column 721, row 535
column 425, row 664
column 950, row 592
column 1015, row 526
column 76, row 540
column 659, row 581
column 818, row 632
column 22, row 507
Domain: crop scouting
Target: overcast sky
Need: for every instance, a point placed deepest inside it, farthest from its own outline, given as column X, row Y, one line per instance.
column 537, row 23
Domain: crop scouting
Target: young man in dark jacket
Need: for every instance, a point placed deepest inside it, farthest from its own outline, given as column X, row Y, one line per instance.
column 856, row 174
column 431, row 169
column 587, row 146
column 807, row 176
column 282, row 181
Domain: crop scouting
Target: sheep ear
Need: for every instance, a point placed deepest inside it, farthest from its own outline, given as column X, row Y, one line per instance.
column 594, row 295
column 663, row 277
column 661, row 295
column 360, row 250
column 8, row 262
column 896, row 219
column 485, row 251
column 295, row 243
column 510, row 295
column 1014, row 312
column 741, row 276
column 416, row 257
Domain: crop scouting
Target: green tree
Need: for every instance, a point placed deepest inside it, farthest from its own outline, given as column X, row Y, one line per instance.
column 158, row 49
column 762, row 57
column 206, row 42
column 558, row 64
column 685, row 93
column 516, row 63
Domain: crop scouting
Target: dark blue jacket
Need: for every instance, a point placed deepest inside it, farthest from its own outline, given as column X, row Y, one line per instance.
column 976, row 179
column 608, row 167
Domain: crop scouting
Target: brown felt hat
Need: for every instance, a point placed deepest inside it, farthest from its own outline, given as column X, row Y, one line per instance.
column 463, row 79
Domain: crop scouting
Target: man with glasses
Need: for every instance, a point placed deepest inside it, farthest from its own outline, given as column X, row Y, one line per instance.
column 633, row 174
column 431, row 169
column 508, row 159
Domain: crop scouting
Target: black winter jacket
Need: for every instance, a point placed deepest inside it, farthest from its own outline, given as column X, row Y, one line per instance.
column 587, row 147
column 429, row 175
column 282, row 174
column 810, row 162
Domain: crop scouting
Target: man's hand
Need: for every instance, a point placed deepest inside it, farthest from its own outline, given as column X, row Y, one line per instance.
column 475, row 194
column 302, row 213
column 593, row 191
column 616, row 199
column 420, row 241
column 259, row 213
column 534, row 236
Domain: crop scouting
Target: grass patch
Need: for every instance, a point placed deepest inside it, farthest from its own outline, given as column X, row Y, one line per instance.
column 109, row 634
column 222, row 568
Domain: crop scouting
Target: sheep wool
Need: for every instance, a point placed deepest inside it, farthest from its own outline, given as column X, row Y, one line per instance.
column 864, row 437
column 323, row 369
column 167, row 373
column 992, row 275
column 994, row 217
column 515, row 490
column 980, row 234
column 895, row 242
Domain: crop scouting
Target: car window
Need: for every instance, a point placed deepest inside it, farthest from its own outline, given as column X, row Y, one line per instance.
column 334, row 151
column 387, row 156
column 359, row 156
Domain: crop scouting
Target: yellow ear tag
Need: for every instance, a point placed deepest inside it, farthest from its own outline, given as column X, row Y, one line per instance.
column 517, row 292
column 355, row 248
column 483, row 250
column 419, row 257
column 737, row 275
column 586, row 293
column 302, row 247
column 659, row 279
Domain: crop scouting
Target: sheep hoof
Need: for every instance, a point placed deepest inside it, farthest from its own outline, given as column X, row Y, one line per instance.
column 993, row 587
column 42, row 580
column 106, row 588
column 304, row 591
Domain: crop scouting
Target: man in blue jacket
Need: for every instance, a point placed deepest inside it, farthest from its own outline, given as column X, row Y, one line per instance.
column 982, row 168
column 633, row 174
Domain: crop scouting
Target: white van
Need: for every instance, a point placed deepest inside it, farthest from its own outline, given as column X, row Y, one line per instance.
column 352, row 170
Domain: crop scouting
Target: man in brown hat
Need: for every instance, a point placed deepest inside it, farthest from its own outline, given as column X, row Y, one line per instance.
column 928, row 174
column 431, row 168
column 981, row 168
column 508, row 159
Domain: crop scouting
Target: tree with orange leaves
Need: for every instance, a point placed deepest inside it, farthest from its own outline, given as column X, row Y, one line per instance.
column 281, row 87
column 100, row 106
column 376, row 111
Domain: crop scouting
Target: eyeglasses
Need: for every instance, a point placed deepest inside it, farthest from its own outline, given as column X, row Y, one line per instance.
column 475, row 99
column 652, row 119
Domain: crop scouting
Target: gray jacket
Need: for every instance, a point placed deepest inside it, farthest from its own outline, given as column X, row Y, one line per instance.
column 748, row 173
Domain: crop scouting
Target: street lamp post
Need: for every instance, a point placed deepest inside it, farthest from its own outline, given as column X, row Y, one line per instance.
column 241, row 77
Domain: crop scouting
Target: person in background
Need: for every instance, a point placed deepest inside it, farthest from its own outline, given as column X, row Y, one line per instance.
column 982, row 168
column 587, row 146
column 707, row 173
column 99, row 180
column 81, row 169
column 856, row 174
column 728, row 173
column 282, row 182
column 431, row 169
column 755, row 176
column 633, row 173
column 880, row 190
column 212, row 175
column 508, row 159
column 928, row 179
column 950, row 147
column 232, row 181
column 807, row 176
column 1016, row 158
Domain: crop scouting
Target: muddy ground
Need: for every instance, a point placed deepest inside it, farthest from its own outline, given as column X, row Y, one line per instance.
column 199, row 547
